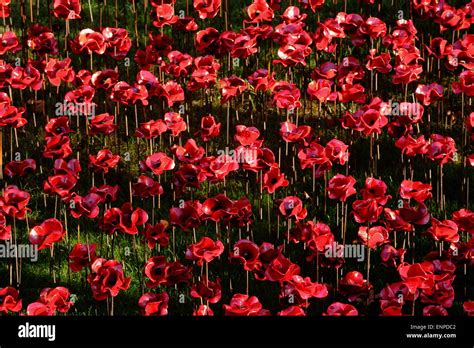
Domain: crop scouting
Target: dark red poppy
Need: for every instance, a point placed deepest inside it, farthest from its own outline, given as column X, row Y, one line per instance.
column 146, row 187
column 156, row 234
column 9, row 300
column 341, row 309
column 204, row 250
column 20, row 168
column 58, row 146
column 281, row 269
column 207, row 8
column 154, row 304
column 5, row 231
column 374, row 236
column 9, row 43
column 244, row 305
column 151, row 129
column 262, row 80
column 48, row 232
column 107, row 279
column 175, row 123
column 157, row 163
column 41, row 40
column 273, row 179
column 103, row 161
column 81, row 256
column 85, row 206
column 446, row 230
column 60, row 184
column 189, row 153
column 203, row 310
column 67, row 9
column 292, row 206
column 163, row 15
column 246, row 253
column 366, row 210
column 56, row 299
column 13, row 202
column 259, row 11
column 416, row 190
column 102, row 124
column 441, row 149
column 427, row 94
column 209, row 128
column 341, row 187
column 186, row 216
column 207, row 290
column 22, row 78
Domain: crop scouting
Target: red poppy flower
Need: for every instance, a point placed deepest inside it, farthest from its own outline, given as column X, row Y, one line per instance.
column 13, row 202
column 446, row 230
column 5, row 231
column 206, row 249
column 92, row 41
column 373, row 237
column 281, row 269
column 292, row 311
column 85, row 206
column 441, row 149
column 117, row 41
column 157, row 163
column 259, row 11
column 107, row 279
column 189, row 153
column 292, row 206
column 59, row 71
column 273, row 179
column 151, row 129
column 156, row 234
column 244, row 305
column 380, row 63
column 286, row 95
column 102, row 124
column 179, row 64
column 22, row 78
column 465, row 84
column 103, row 161
column 56, row 299
column 209, row 128
column 207, row 290
column 427, row 94
column 341, row 309
column 341, row 187
column 67, row 9
column 367, row 210
column 187, row 216
column 354, row 286
column 207, row 8
column 202, row 311
column 391, row 256
column 246, row 135
column 302, row 289
column 231, row 87
column 222, row 166
column 464, row 218
column 81, row 256
column 261, row 80
column 163, row 15
column 60, row 184
column 48, row 232
column 20, row 168
column 247, row 253
column 291, row 133
column 41, row 40
column 9, row 43
column 146, row 187
column 57, row 146
column 9, row 300
column 416, row 190
column 175, row 123
column 154, row 304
